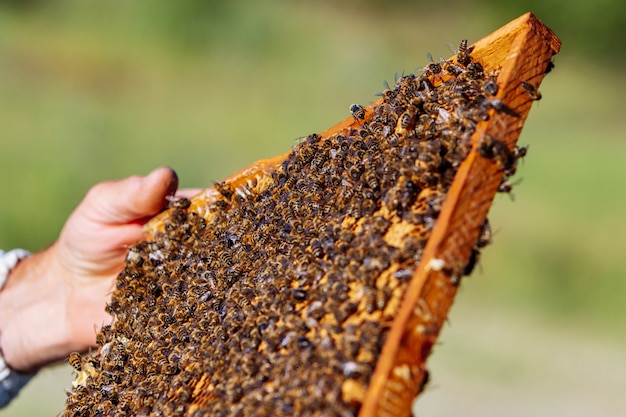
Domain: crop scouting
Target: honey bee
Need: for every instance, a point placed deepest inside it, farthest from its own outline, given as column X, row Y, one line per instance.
column 355, row 172
column 76, row 361
column 532, row 91
column 520, row 151
column 345, row 310
column 226, row 258
column 450, row 68
column 298, row 294
column 380, row 224
column 463, row 54
column 496, row 150
column 471, row 262
column 484, row 238
column 244, row 303
column 177, row 202
column 319, row 159
column 406, row 120
column 490, row 87
column 369, row 296
column 549, row 67
column 100, row 339
column 316, row 248
column 425, row 380
column 357, row 111
column 431, row 107
column 359, row 145
column 371, row 179
column 506, row 186
column 224, row 189
column 376, row 127
column 475, row 70
column 355, row 210
column 382, row 297
column 433, row 67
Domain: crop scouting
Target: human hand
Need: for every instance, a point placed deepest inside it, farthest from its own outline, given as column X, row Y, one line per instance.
column 53, row 302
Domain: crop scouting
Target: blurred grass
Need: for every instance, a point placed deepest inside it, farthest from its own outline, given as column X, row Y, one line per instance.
column 91, row 91
column 563, row 237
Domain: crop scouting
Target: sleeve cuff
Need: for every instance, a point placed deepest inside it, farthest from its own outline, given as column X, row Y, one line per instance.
column 8, row 260
column 11, row 382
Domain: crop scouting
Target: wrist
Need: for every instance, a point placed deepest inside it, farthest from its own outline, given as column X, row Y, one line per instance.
column 33, row 326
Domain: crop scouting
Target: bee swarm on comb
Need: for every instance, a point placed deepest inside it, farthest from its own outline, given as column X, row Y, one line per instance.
column 275, row 295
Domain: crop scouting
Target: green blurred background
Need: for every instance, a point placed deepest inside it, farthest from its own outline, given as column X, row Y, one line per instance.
column 96, row 90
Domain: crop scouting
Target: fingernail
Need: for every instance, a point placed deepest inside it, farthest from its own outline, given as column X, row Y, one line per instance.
column 170, row 181
column 173, row 184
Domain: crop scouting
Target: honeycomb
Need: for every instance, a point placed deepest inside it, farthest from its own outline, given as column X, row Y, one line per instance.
column 275, row 293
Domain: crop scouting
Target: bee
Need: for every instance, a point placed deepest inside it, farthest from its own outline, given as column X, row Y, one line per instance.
column 463, row 54
column 376, row 127
column 433, row 67
column 456, row 97
column 380, row 224
column 359, row 145
column 357, row 111
column 301, row 187
column 506, row 186
column 355, row 172
column 298, row 294
column 406, row 120
column 450, row 68
column 168, row 368
column 234, row 392
column 490, row 87
column 100, row 339
column 226, row 258
column 369, row 296
column 520, row 151
column 532, row 91
column 484, row 238
column 355, row 210
column 315, row 205
column 429, row 161
column 549, row 67
column 244, row 303
column 108, row 391
column 388, row 93
column 316, row 248
column 294, row 167
column 224, row 189
column 431, row 107
column 177, row 202
column 382, row 297
column 76, row 362
column 471, row 262
column 425, row 380
column 318, row 160
column 344, row 310
column 496, row 150
column 475, row 70
column 408, row 191
column 219, row 333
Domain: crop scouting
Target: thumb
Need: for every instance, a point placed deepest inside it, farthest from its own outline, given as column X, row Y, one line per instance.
column 130, row 200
